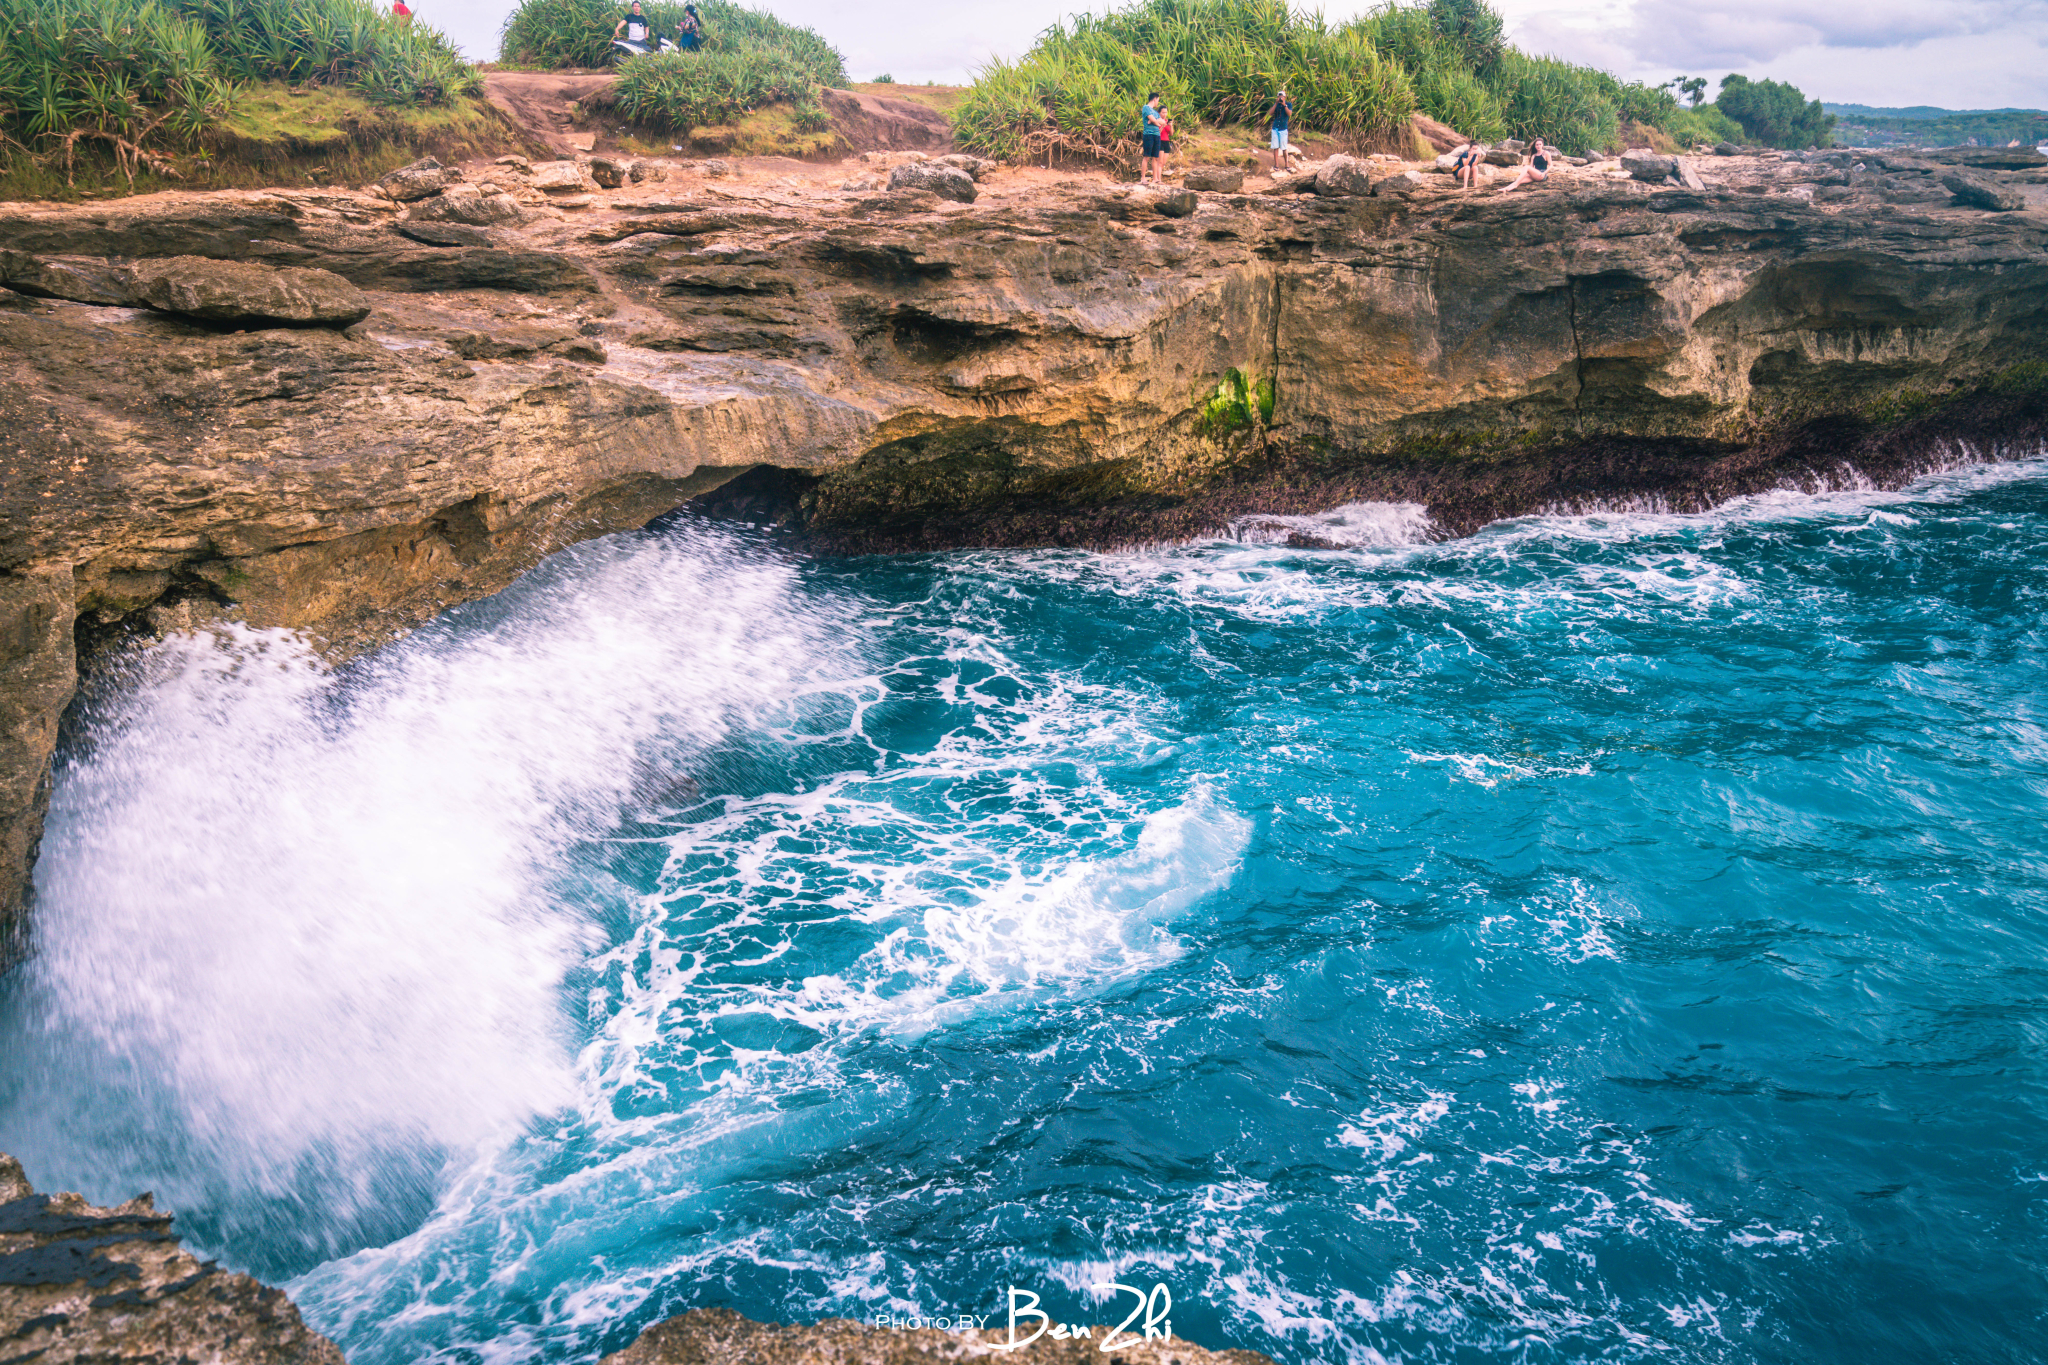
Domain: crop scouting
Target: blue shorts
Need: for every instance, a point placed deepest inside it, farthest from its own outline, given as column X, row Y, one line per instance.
column 1151, row 144
column 1279, row 139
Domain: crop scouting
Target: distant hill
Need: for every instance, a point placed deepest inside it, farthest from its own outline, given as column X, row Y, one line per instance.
column 1913, row 111
column 1923, row 125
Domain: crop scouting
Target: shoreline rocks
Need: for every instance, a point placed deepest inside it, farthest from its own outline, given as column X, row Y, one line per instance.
column 82, row 1285
column 719, row 1336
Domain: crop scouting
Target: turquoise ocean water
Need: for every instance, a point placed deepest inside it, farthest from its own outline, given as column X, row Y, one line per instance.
column 1620, row 937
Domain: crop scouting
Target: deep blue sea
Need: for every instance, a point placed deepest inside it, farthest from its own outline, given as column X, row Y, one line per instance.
column 1616, row 937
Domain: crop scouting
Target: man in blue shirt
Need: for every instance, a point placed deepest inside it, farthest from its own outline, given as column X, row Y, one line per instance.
column 1279, row 117
column 1148, row 134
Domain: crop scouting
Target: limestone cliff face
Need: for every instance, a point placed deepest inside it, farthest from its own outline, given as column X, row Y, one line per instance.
column 1028, row 368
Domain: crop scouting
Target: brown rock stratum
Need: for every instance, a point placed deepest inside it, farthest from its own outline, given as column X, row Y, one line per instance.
column 901, row 371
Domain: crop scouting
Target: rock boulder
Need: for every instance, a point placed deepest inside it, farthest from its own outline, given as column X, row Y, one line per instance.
column 1981, row 192
column 610, row 172
column 1218, row 179
column 1343, row 176
column 464, row 204
column 240, row 294
column 1652, row 168
column 419, row 180
column 561, row 177
column 980, row 167
column 947, row 182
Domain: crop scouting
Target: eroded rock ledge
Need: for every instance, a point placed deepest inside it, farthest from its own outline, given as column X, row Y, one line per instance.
column 79, row 1283
column 1034, row 367
column 83, row 1285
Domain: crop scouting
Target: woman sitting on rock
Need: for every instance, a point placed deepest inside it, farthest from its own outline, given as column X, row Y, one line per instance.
column 1538, row 167
column 1465, row 166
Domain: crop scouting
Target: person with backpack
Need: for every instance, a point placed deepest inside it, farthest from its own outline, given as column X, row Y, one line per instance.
column 1277, row 118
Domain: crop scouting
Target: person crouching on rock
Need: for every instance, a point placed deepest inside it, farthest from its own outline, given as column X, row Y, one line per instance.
column 1466, row 166
column 1149, row 120
column 1537, row 169
column 689, row 30
column 1277, row 118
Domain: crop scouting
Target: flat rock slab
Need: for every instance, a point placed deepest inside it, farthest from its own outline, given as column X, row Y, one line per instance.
column 1217, row 179
column 242, row 294
column 1980, row 192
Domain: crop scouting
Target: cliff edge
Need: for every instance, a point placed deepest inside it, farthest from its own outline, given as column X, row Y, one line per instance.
column 341, row 412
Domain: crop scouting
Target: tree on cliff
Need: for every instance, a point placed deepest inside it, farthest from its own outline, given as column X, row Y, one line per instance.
column 1775, row 113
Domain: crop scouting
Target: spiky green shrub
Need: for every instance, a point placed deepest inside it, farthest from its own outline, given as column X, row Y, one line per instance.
column 1078, row 89
column 685, row 90
column 161, row 72
column 1573, row 108
column 558, row 33
column 1446, row 86
column 333, row 42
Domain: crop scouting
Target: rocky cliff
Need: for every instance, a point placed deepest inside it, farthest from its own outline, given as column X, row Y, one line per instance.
column 1037, row 360
column 84, row 1284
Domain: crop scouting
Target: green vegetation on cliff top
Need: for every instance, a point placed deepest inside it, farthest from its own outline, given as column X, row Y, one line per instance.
column 144, row 81
column 750, row 59
column 1077, row 90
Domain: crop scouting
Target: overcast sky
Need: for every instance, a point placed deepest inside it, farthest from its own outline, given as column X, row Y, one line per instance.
column 1962, row 54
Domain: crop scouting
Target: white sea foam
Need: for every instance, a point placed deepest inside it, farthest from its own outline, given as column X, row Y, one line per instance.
column 1354, row 525
column 311, row 920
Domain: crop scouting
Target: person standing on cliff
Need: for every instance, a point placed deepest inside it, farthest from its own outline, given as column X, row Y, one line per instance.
column 401, row 11
column 1150, row 121
column 1281, row 114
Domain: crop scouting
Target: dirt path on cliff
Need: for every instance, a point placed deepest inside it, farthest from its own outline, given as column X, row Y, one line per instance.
column 538, row 101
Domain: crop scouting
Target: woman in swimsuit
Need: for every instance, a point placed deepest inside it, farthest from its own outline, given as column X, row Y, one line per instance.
column 1466, row 166
column 1538, row 167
